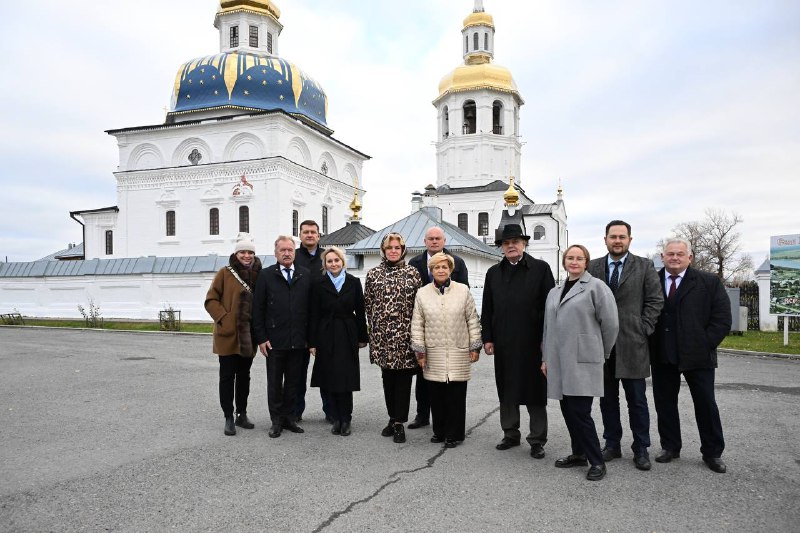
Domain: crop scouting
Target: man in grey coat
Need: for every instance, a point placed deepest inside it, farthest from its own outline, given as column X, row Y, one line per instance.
column 639, row 298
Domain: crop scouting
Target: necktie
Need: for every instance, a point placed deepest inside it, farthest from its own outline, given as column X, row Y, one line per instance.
column 673, row 286
column 614, row 281
column 288, row 274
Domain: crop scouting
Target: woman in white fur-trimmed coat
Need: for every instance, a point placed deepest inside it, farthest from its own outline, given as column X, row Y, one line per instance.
column 446, row 337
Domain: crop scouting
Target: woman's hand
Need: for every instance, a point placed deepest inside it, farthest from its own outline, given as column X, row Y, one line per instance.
column 420, row 359
column 488, row 347
column 544, row 368
column 313, row 352
column 474, row 356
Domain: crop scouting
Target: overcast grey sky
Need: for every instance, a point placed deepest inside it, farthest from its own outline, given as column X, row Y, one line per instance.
column 650, row 111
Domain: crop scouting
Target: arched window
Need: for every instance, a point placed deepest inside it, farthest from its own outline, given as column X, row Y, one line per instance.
column 324, row 220
column 463, row 223
column 170, row 223
column 244, row 219
column 213, row 221
column 497, row 117
column 445, row 123
column 538, row 233
column 109, row 242
column 483, row 224
column 486, row 41
column 475, row 41
column 470, row 118
column 295, row 223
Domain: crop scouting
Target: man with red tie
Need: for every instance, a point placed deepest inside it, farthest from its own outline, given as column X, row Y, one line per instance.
column 695, row 319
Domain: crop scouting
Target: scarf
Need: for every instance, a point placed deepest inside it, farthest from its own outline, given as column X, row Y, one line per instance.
column 338, row 281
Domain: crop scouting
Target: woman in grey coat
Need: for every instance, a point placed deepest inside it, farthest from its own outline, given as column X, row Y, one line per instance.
column 580, row 328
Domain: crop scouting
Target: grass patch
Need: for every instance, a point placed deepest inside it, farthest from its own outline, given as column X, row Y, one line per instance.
column 192, row 327
column 763, row 341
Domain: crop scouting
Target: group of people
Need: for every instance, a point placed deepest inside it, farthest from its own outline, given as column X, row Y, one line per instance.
column 608, row 324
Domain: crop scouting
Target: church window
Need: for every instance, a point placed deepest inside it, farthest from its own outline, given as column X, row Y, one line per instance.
column 253, row 36
column 324, row 220
column 538, row 233
column 475, row 41
column 234, row 36
column 295, row 223
column 109, row 242
column 213, row 221
column 170, row 223
column 497, row 117
column 445, row 123
column 462, row 222
column 244, row 219
column 483, row 224
column 470, row 119
column 324, row 168
column 486, row 41
column 269, row 42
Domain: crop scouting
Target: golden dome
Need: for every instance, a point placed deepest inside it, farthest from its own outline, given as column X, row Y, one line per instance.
column 262, row 7
column 479, row 19
column 511, row 196
column 480, row 76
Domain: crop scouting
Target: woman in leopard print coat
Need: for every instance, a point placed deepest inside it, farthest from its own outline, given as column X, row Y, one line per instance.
column 389, row 295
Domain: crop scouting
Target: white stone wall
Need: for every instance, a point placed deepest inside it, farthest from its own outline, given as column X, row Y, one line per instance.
column 766, row 321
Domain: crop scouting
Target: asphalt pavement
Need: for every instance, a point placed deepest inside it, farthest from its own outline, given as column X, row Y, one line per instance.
column 110, row 431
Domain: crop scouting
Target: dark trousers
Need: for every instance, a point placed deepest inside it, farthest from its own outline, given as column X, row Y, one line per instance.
column 423, row 396
column 449, row 408
column 397, row 392
column 638, row 413
column 666, row 386
column 302, row 386
column 509, row 421
column 284, row 373
column 234, row 382
column 577, row 411
column 340, row 405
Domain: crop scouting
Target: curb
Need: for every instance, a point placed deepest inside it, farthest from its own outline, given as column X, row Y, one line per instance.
column 746, row 353
column 137, row 331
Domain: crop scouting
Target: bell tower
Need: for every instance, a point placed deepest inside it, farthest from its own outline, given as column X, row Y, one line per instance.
column 248, row 25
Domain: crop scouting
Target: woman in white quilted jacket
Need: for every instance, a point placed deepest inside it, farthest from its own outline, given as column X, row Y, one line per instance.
column 446, row 337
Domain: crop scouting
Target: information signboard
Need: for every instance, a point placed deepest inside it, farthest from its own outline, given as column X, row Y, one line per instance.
column 784, row 270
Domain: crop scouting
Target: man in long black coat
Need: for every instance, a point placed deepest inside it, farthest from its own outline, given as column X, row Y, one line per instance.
column 512, row 322
column 280, row 327
column 695, row 319
column 435, row 240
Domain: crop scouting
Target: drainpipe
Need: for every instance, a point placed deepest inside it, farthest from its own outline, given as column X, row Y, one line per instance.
column 83, row 231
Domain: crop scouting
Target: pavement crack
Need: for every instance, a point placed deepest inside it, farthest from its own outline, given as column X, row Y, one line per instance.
column 394, row 477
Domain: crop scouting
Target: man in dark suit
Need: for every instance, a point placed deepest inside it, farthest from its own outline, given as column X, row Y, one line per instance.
column 639, row 297
column 434, row 243
column 280, row 324
column 308, row 255
column 695, row 320
column 512, row 323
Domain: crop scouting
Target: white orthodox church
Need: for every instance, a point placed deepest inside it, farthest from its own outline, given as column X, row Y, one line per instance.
column 246, row 147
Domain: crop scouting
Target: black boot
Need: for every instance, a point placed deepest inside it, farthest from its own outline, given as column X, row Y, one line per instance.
column 244, row 422
column 230, row 427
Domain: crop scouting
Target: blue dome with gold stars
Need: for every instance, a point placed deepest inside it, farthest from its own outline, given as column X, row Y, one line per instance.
column 248, row 81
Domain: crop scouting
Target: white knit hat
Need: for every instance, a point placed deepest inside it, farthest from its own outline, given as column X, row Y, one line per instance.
column 244, row 242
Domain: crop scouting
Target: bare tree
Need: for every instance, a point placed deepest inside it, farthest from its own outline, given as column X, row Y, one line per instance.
column 717, row 245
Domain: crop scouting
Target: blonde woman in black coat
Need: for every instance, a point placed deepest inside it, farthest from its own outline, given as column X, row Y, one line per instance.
column 338, row 329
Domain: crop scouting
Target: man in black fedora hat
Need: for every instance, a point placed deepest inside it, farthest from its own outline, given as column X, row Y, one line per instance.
column 512, row 319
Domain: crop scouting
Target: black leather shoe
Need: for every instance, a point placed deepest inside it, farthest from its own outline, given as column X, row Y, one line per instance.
column 450, row 443
column 436, row 439
column 345, row 429
column 329, row 419
column 642, row 462
column 299, row 418
column 243, row 422
column 716, row 464
column 418, row 423
column 506, row 443
column 571, row 460
column 337, row 428
column 399, row 433
column 230, row 428
column 275, row 431
column 293, row 427
column 666, row 456
column 388, row 431
column 609, row 454
column 537, row 451
column 596, row 473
